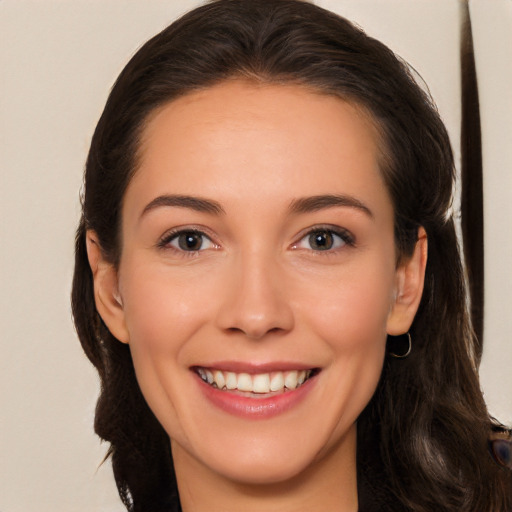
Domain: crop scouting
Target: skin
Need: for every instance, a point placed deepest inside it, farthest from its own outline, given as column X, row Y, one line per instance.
column 258, row 291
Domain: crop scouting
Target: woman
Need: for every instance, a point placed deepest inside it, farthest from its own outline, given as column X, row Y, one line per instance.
column 267, row 276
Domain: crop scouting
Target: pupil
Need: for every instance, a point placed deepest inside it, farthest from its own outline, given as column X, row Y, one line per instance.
column 190, row 241
column 321, row 240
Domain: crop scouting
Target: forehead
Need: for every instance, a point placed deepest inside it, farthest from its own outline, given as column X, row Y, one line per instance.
column 275, row 140
column 246, row 104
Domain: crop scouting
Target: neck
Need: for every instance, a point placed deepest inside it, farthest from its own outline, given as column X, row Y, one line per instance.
column 328, row 484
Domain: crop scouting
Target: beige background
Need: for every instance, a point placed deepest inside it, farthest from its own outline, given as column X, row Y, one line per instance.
column 58, row 59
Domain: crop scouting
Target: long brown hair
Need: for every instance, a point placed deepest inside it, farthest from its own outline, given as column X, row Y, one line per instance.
column 422, row 440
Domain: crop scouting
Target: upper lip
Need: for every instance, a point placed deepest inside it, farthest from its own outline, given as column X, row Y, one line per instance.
column 255, row 368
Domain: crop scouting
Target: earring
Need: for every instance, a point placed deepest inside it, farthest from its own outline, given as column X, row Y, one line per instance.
column 409, row 347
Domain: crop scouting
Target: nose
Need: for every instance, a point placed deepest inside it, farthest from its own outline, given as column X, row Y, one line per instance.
column 255, row 299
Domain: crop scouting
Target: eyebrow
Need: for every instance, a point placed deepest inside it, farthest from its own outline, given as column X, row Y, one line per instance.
column 180, row 201
column 297, row 206
column 321, row 202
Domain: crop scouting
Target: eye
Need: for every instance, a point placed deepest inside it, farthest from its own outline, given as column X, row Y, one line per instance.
column 188, row 241
column 323, row 239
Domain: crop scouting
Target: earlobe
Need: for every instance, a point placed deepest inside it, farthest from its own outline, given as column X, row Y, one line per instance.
column 410, row 278
column 109, row 303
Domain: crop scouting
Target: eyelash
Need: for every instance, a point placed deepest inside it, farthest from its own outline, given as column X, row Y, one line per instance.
column 169, row 237
column 347, row 239
column 344, row 235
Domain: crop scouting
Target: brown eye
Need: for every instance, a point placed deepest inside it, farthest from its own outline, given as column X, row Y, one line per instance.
column 189, row 241
column 321, row 240
column 324, row 239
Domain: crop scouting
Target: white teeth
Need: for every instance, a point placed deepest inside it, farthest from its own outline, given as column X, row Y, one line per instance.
column 244, row 382
column 218, row 378
column 231, row 380
column 290, row 379
column 260, row 383
column 277, row 381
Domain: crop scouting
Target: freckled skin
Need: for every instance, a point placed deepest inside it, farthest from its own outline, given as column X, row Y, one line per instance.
column 257, row 291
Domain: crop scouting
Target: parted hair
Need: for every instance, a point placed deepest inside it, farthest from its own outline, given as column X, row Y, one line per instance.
column 423, row 438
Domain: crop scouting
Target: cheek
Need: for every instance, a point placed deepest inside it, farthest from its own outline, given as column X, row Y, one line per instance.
column 162, row 314
column 351, row 312
column 162, row 311
column 351, row 321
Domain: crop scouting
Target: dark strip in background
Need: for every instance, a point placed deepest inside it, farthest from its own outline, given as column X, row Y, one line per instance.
column 472, row 203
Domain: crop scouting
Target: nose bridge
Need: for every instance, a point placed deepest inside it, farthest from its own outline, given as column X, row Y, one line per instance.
column 256, row 302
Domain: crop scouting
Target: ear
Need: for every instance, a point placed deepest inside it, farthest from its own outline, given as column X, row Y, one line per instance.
column 410, row 278
column 106, row 289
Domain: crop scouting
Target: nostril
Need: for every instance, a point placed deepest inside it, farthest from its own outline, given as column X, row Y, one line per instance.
column 254, row 332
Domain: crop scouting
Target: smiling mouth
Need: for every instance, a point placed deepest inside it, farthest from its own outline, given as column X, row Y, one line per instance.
column 257, row 384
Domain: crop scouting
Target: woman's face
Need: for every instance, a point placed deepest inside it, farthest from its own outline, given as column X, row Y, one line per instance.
column 258, row 255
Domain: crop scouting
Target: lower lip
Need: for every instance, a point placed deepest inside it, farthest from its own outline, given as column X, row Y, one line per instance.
column 256, row 408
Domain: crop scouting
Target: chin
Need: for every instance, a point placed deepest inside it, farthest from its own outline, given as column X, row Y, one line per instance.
column 266, row 471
